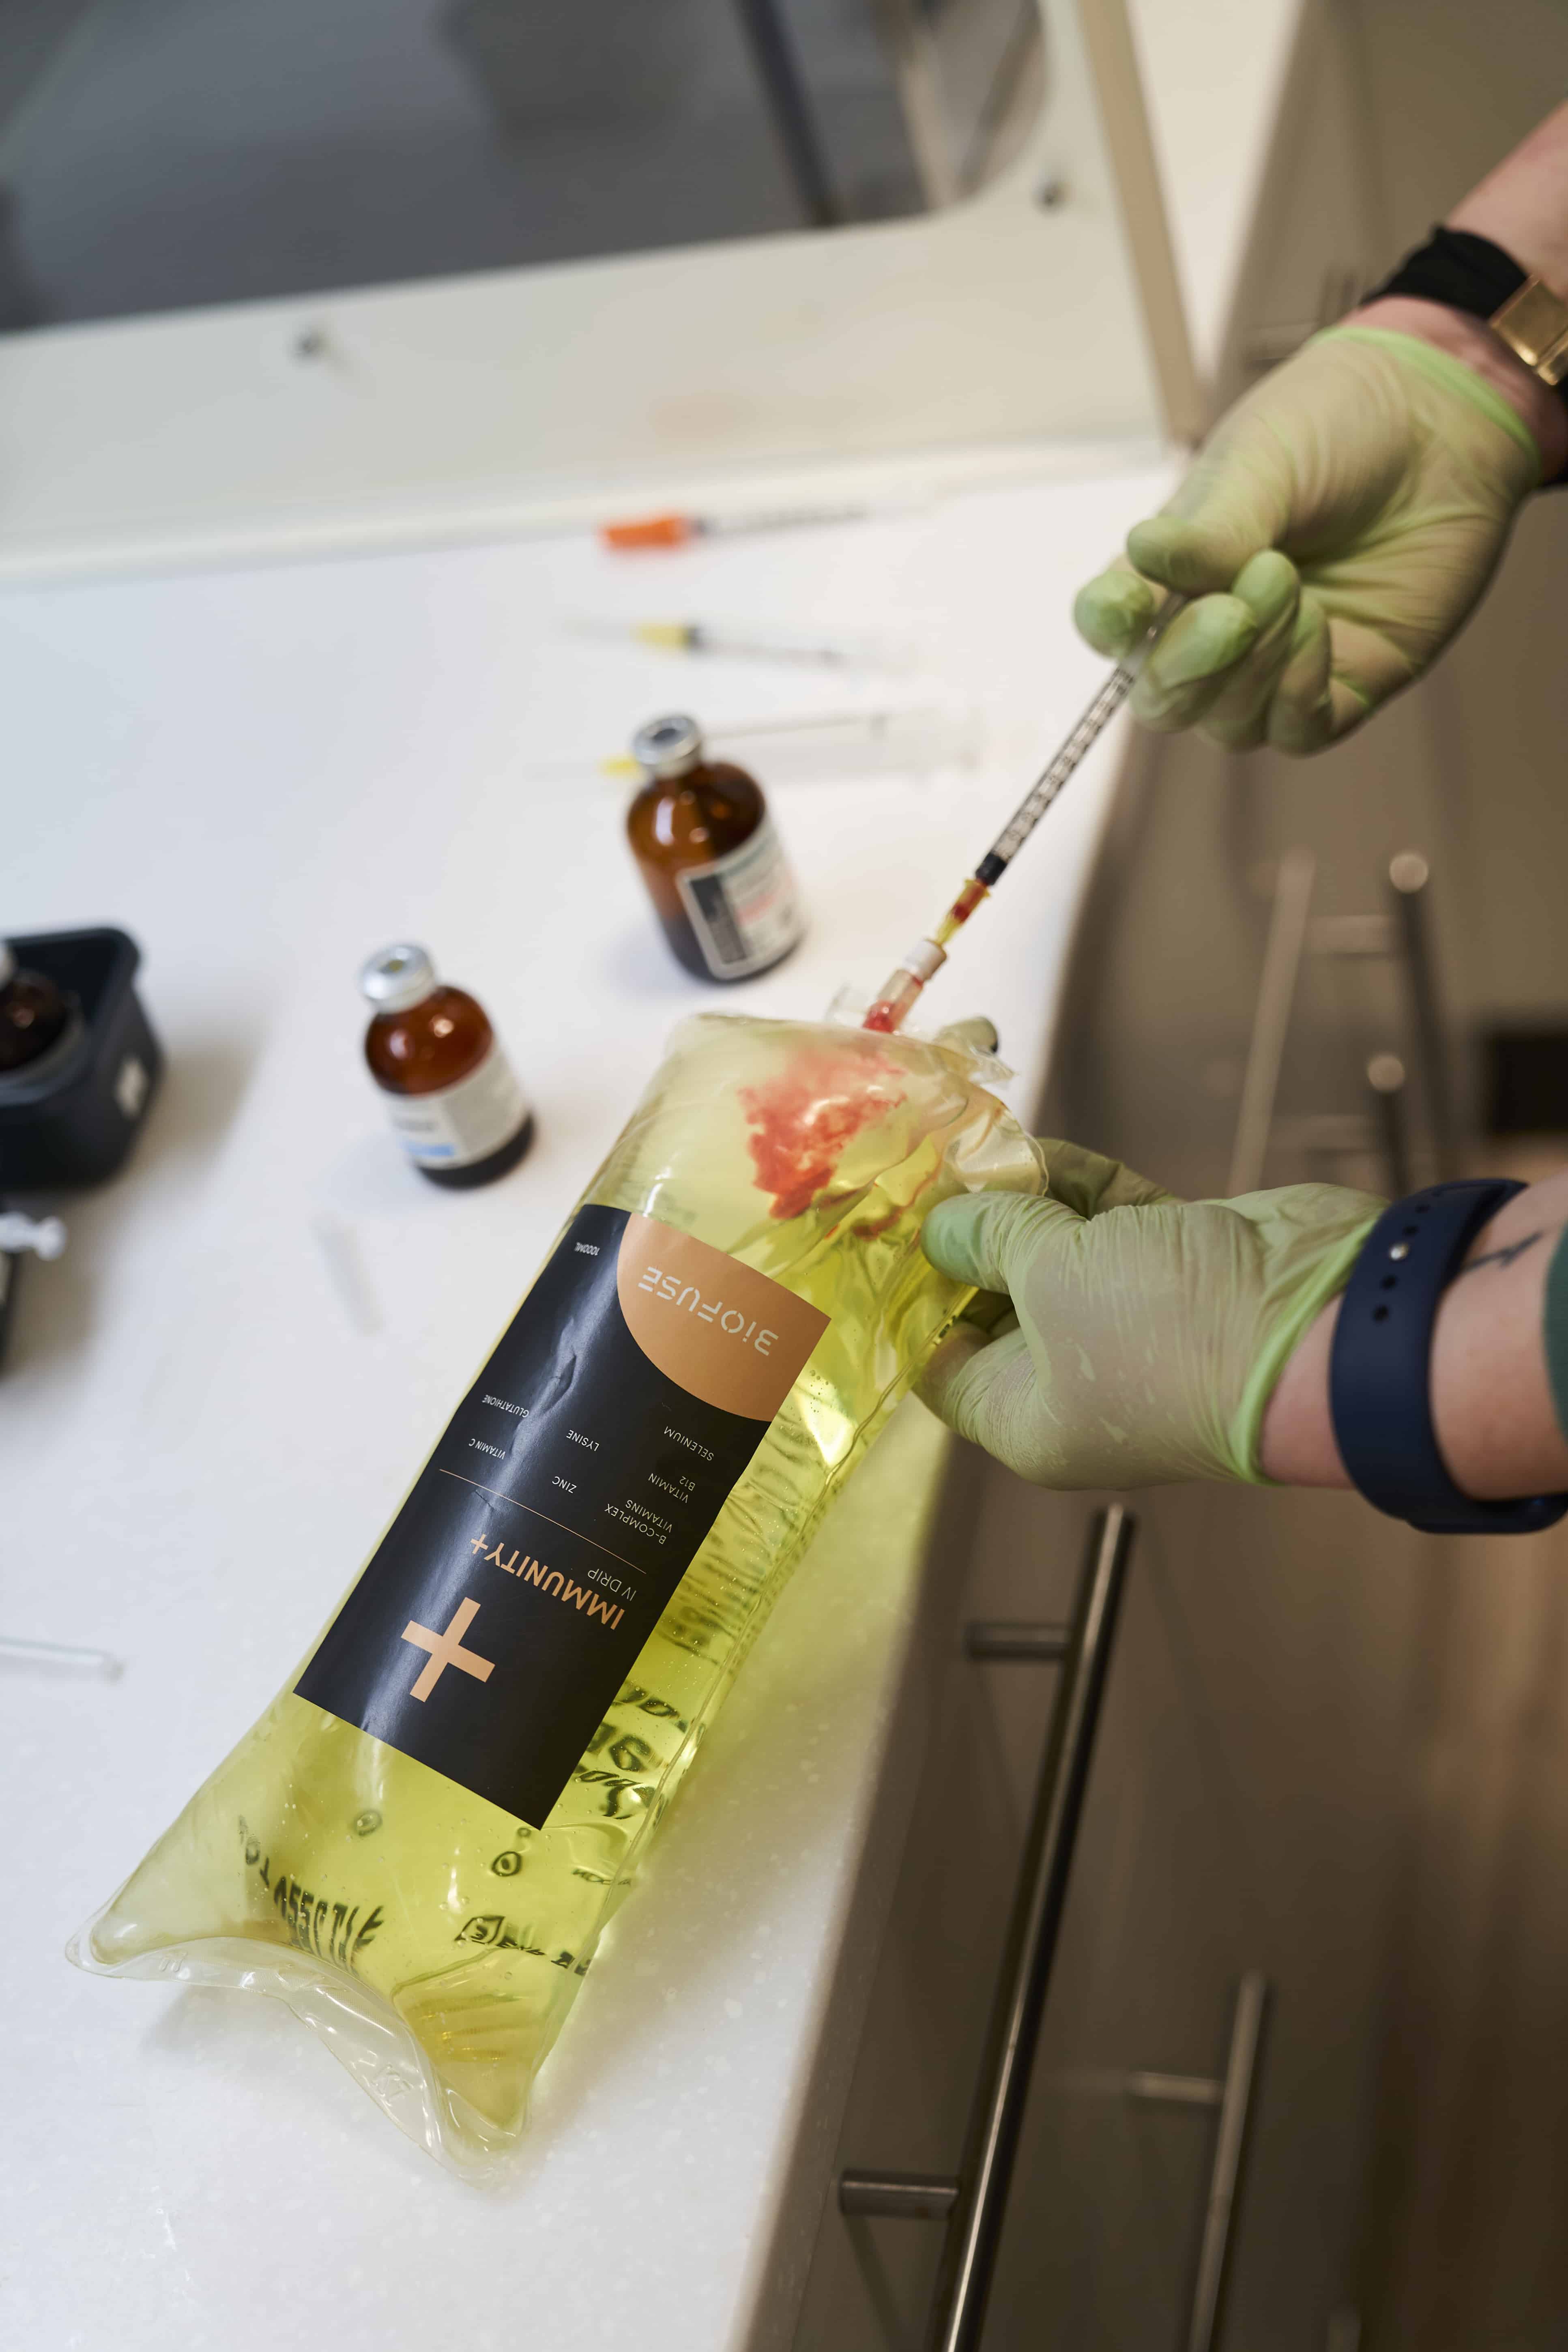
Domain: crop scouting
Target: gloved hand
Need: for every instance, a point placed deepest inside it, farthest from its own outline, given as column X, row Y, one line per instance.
column 1149, row 1331
column 1335, row 529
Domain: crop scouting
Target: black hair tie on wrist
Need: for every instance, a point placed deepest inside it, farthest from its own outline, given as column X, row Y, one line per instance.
column 1469, row 273
column 1380, row 1370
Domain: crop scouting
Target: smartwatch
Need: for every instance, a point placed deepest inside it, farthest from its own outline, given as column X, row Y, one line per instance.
column 1380, row 1366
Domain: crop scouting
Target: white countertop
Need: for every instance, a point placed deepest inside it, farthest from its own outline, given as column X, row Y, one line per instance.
column 263, row 775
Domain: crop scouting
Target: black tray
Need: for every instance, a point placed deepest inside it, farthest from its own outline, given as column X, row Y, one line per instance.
column 72, row 1116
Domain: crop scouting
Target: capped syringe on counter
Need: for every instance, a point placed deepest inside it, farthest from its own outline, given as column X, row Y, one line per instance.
column 650, row 532
column 753, row 641
column 832, row 746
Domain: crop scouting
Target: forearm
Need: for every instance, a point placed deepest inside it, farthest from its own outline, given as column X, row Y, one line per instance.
column 1491, row 1396
column 1522, row 205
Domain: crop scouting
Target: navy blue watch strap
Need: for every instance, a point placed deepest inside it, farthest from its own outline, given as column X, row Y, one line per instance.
column 1380, row 1368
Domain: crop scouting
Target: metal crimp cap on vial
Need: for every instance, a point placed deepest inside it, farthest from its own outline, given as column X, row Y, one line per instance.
column 668, row 747
column 398, row 977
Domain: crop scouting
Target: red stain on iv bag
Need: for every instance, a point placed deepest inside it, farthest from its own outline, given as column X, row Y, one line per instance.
column 803, row 1122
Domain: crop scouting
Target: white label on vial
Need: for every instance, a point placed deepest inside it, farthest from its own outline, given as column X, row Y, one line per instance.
column 458, row 1124
column 743, row 907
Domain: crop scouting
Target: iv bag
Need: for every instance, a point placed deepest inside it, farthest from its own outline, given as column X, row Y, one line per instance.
column 419, row 1844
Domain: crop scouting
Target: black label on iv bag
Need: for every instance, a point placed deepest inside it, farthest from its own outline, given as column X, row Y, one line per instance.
column 504, row 1608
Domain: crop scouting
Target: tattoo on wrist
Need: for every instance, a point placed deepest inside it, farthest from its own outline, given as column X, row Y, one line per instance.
column 1506, row 1255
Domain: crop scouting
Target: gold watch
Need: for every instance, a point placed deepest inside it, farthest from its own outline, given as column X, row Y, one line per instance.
column 1534, row 323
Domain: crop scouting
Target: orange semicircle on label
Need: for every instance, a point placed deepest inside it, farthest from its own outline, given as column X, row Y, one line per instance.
column 722, row 1331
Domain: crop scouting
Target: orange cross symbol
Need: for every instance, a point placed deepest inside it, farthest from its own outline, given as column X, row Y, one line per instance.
column 447, row 1650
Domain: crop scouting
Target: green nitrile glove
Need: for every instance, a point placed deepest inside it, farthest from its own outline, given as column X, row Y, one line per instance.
column 1335, row 529
column 1149, row 1331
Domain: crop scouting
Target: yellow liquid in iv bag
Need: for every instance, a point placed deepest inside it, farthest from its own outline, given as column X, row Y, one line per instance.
column 438, row 1937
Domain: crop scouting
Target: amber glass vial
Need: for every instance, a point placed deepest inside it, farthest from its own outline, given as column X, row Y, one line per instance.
column 707, row 850
column 455, row 1106
column 33, row 1013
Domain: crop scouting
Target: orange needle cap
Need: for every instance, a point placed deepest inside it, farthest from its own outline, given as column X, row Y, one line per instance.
column 649, row 530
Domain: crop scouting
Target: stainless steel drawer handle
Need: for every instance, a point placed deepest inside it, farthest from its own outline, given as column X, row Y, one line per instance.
column 1272, row 1018
column 998, row 1638
column 1236, row 2098
column 971, row 2202
column 898, row 2195
column 1231, row 2092
column 1401, row 935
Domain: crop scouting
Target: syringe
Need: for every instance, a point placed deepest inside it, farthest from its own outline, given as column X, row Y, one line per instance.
column 926, row 958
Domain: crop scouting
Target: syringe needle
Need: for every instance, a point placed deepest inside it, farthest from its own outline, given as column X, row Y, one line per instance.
column 897, row 999
column 62, row 1654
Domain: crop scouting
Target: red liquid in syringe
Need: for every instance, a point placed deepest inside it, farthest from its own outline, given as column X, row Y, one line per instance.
column 896, row 1000
column 888, row 1012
